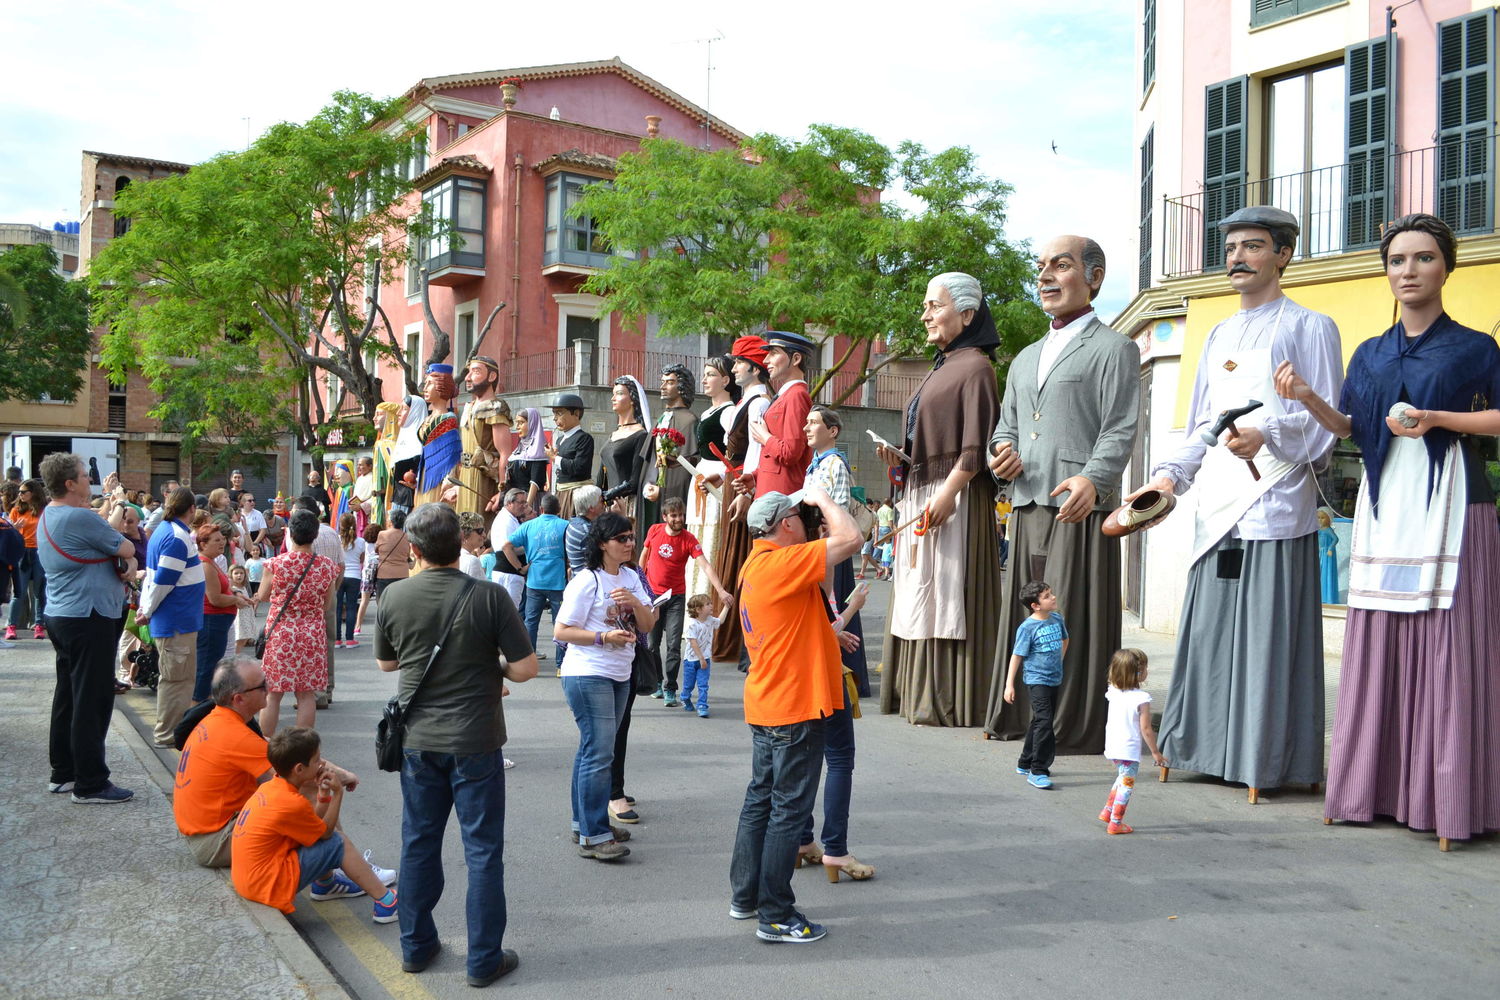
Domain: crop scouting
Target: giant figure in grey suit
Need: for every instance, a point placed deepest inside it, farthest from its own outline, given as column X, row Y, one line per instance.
column 1067, row 426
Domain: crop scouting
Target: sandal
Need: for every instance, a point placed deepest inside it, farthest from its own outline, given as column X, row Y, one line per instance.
column 809, row 854
column 854, row 868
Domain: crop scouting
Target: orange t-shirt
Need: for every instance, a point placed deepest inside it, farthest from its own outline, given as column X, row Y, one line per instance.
column 796, row 672
column 276, row 821
column 218, row 771
column 25, row 522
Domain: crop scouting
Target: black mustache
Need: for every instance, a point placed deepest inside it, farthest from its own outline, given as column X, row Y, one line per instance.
column 1242, row 269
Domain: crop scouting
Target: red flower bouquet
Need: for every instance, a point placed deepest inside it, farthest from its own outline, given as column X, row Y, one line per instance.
column 669, row 442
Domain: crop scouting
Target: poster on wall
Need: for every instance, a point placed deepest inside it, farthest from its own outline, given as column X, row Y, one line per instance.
column 101, row 455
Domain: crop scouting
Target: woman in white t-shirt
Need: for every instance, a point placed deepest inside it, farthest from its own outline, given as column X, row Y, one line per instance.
column 1128, row 723
column 354, row 560
column 603, row 608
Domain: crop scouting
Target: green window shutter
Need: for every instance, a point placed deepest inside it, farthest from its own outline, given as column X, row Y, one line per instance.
column 1366, row 184
column 1224, row 166
column 1465, row 197
column 1148, row 50
column 1148, row 169
column 1264, row 12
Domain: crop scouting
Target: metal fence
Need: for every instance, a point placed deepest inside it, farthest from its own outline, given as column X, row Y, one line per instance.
column 1344, row 207
column 587, row 364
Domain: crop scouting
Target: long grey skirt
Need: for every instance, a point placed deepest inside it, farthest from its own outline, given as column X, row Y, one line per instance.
column 1083, row 568
column 1246, row 699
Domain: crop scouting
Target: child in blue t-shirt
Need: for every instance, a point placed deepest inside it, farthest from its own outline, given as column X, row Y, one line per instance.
column 1041, row 642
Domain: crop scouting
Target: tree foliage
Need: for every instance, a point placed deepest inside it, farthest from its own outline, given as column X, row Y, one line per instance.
column 796, row 234
column 44, row 327
column 247, row 274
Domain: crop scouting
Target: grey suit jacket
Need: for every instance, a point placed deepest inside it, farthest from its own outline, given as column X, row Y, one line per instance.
column 1081, row 421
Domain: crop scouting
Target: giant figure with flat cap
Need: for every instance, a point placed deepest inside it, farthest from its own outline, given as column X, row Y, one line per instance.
column 571, row 451
column 485, row 429
column 1246, row 698
column 784, row 451
column 1066, row 429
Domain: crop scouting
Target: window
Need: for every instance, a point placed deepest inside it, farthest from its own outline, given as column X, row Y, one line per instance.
column 122, row 226
column 1465, row 164
column 1224, row 168
column 1367, row 153
column 458, row 202
column 1305, row 142
column 1148, row 168
column 117, row 408
column 463, row 332
column 1148, row 49
column 1270, row 11
column 413, row 265
column 572, row 240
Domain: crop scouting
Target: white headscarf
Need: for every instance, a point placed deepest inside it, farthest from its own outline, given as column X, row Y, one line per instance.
column 645, row 404
column 407, row 445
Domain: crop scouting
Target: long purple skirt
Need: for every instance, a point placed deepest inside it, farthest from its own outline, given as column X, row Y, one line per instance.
column 1416, row 732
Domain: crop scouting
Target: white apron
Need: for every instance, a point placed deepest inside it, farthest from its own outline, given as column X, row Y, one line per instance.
column 927, row 601
column 1226, row 490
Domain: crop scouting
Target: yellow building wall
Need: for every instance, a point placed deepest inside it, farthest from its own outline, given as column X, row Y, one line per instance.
column 1362, row 308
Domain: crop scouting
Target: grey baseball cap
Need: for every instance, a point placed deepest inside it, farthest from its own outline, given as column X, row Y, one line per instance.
column 770, row 508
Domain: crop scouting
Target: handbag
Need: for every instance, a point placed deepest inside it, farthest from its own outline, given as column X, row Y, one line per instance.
column 390, row 731
column 260, row 640
column 645, row 669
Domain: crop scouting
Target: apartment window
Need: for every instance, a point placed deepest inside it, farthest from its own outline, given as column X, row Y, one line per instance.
column 1305, row 146
column 1465, row 112
column 570, row 239
column 459, row 202
column 414, row 351
column 1224, row 166
column 1270, row 11
column 1367, row 146
column 413, row 266
column 122, row 226
column 117, row 410
column 1148, row 58
column 463, row 331
column 1148, row 168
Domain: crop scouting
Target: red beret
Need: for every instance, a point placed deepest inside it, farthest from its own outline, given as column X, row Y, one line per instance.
column 751, row 349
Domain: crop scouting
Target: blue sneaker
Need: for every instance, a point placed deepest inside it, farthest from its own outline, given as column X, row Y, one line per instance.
column 337, row 887
column 1024, row 772
column 107, row 796
column 671, row 701
column 659, row 692
column 687, row 705
column 799, row 931
column 386, row 914
column 1039, row 781
column 703, row 712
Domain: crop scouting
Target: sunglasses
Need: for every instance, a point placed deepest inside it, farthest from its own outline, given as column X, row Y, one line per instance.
column 259, row 687
column 625, row 539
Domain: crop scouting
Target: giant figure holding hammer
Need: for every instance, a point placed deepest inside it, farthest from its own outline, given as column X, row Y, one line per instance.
column 1246, row 697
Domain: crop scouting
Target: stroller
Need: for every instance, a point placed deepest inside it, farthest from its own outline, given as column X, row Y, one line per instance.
column 141, row 652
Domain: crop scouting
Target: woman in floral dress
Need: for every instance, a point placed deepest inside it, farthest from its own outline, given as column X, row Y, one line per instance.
column 296, row 658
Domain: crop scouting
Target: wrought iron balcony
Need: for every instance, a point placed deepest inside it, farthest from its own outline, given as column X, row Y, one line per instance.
column 1343, row 208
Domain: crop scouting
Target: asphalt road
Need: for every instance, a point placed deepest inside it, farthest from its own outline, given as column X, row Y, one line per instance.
column 984, row 885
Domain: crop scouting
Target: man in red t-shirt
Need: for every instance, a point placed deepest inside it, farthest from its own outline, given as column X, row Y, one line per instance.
column 664, row 556
column 795, row 682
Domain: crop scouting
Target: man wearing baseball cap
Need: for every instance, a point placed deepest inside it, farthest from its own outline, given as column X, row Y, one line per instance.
column 795, row 682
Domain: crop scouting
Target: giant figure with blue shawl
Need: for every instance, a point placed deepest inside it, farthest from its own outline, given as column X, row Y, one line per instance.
column 442, row 445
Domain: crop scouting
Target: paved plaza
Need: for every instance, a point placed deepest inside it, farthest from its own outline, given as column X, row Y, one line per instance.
column 986, row 886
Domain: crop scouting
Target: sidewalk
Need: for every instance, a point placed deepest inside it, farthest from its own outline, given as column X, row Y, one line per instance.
column 105, row 901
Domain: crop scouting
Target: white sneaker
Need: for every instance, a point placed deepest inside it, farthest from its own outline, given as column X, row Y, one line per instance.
column 387, row 876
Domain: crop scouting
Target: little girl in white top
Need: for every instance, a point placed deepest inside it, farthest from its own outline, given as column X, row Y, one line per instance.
column 1128, row 724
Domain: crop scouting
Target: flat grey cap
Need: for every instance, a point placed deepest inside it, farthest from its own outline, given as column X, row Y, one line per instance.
column 1262, row 217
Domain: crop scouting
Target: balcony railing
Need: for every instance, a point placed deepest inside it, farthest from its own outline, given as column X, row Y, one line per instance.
column 586, row 364
column 1342, row 208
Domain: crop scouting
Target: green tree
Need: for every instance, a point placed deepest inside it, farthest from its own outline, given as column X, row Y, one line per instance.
column 244, row 279
column 44, row 327
column 797, row 234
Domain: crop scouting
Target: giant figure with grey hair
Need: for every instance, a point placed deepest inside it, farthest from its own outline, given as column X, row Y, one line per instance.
column 1066, row 429
column 1246, row 700
column 941, row 649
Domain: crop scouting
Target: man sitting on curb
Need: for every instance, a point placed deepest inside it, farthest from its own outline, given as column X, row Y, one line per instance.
column 224, row 761
column 283, row 842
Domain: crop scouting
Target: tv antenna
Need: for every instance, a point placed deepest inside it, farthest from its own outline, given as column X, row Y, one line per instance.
column 708, row 83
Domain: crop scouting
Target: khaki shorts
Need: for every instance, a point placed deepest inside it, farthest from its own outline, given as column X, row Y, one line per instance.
column 211, row 850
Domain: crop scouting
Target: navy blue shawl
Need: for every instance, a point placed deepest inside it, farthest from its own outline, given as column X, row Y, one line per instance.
column 1449, row 367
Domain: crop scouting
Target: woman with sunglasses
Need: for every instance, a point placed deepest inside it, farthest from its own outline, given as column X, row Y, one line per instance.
column 603, row 609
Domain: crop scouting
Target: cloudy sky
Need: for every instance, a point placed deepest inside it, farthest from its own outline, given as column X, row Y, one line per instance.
column 177, row 80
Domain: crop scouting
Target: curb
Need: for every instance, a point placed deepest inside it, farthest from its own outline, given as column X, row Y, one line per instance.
column 285, row 942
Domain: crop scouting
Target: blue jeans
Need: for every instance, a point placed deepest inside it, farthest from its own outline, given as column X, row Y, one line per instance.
column 838, row 754
column 695, row 674
column 784, row 767
column 213, row 639
column 473, row 785
column 348, row 607
column 536, row 601
column 316, row 860
column 30, row 602
column 598, row 705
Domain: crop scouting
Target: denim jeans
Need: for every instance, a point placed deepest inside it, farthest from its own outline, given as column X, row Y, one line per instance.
column 1040, row 748
column 784, row 767
column 666, row 640
column 838, row 755
column 30, row 602
column 473, row 785
column 348, row 607
column 622, row 741
column 83, row 699
column 213, row 638
column 536, row 602
column 695, row 674
column 598, row 705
